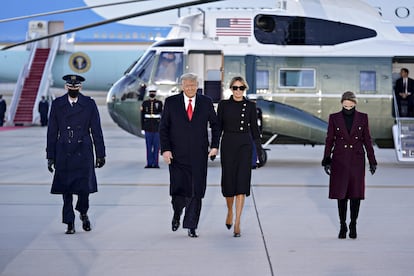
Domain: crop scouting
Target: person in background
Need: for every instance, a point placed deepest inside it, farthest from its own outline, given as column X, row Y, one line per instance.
column 185, row 148
column 3, row 108
column 73, row 134
column 404, row 89
column 43, row 109
column 238, row 122
column 347, row 139
column 151, row 110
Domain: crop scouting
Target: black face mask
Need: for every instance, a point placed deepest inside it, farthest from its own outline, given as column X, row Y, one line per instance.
column 348, row 112
column 73, row 93
column 152, row 95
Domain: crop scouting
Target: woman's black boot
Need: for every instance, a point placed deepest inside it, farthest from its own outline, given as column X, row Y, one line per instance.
column 354, row 206
column 342, row 206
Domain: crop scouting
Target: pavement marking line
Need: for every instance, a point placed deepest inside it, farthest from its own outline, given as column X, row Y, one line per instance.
column 263, row 237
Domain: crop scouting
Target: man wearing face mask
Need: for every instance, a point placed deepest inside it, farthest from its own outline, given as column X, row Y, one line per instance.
column 151, row 110
column 347, row 139
column 74, row 133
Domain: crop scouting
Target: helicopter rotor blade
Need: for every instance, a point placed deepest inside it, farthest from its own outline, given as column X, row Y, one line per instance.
column 68, row 10
column 166, row 8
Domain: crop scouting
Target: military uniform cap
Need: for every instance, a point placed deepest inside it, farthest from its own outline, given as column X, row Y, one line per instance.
column 73, row 80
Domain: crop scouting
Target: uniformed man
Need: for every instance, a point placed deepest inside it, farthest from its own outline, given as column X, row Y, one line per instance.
column 43, row 109
column 74, row 133
column 151, row 110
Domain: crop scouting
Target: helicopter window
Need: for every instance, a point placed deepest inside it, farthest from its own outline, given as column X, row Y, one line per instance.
column 169, row 67
column 144, row 66
column 262, row 79
column 367, row 81
column 296, row 30
column 297, row 78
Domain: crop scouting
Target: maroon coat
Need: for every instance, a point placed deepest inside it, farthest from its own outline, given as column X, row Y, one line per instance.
column 347, row 178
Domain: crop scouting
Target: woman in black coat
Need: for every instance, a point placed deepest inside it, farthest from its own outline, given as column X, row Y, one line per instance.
column 238, row 124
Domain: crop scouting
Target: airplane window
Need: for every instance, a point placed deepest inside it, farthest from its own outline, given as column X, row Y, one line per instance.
column 367, row 81
column 299, row 78
column 296, row 30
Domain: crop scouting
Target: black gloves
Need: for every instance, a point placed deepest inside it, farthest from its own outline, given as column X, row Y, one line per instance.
column 372, row 169
column 326, row 163
column 50, row 165
column 100, row 162
column 261, row 156
column 327, row 169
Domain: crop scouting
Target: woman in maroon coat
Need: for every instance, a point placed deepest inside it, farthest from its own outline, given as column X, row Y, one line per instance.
column 344, row 160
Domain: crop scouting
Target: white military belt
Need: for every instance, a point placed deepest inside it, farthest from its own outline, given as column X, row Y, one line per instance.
column 152, row 116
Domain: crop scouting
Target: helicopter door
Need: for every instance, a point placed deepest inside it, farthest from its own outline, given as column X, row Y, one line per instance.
column 208, row 66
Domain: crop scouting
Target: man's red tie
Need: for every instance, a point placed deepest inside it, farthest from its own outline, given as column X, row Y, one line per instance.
column 190, row 110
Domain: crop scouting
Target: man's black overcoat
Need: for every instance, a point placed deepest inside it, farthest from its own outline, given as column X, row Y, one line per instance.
column 188, row 142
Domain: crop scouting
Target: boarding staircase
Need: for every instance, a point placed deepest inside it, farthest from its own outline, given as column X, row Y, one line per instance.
column 24, row 112
column 403, row 134
column 34, row 81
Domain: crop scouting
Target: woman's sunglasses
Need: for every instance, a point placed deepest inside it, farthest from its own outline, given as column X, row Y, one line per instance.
column 241, row 88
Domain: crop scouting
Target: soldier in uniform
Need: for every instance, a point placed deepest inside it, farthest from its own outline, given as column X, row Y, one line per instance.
column 3, row 107
column 43, row 109
column 74, row 133
column 151, row 110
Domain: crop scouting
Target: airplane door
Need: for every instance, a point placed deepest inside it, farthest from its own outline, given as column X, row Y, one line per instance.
column 54, row 27
column 208, row 66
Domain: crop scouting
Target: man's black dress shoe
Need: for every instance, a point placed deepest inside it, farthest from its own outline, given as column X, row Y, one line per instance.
column 70, row 229
column 175, row 224
column 86, row 224
column 192, row 233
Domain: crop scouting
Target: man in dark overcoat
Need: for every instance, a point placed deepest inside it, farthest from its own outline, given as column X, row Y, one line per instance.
column 3, row 107
column 348, row 138
column 185, row 147
column 74, row 133
column 43, row 109
column 404, row 89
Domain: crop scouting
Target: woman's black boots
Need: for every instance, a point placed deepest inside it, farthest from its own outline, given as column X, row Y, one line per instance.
column 354, row 206
column 342, row 206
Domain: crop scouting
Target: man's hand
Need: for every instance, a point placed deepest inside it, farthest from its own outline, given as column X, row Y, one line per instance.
column 167, row 156
column 212, row 154
column 327, row 169
column 100, row 162
column 50, row 165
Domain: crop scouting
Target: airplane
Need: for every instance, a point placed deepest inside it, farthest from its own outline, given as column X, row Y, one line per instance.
column 300, row 82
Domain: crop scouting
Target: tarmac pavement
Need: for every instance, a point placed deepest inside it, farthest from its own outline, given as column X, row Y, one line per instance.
column 289, row 226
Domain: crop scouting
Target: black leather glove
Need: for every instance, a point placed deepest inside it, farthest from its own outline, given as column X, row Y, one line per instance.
column 261, row 156
column 327, row 169
column 372, row 169
column 50, row 165
column 100, row 162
